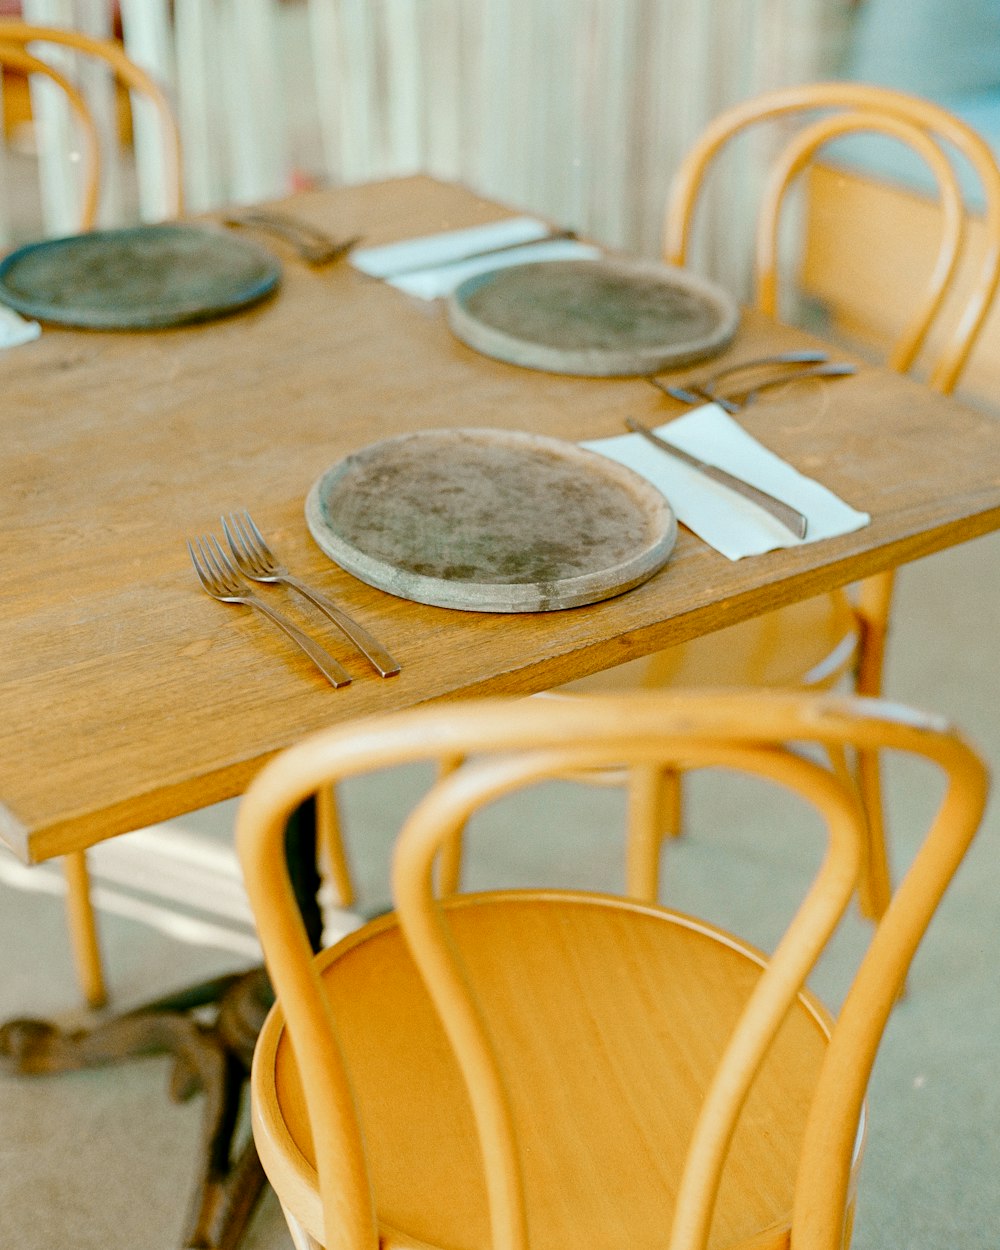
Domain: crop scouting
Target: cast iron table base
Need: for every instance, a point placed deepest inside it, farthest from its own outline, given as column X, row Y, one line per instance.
column 211, row 1057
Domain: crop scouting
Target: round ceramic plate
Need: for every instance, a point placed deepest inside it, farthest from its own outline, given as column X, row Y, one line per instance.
column 600, row 318
column 140, row 278
column 490, row 521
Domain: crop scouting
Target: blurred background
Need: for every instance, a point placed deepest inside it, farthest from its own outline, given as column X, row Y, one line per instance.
column 576, row 109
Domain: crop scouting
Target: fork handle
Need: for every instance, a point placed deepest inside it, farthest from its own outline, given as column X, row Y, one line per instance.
column 312, row 246
column 692, row 395
column 325, row 662
column 361, row 638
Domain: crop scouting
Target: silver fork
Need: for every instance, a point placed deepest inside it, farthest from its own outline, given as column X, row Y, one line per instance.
column 829, row 369
column 698, row 391
column 256, row 560
column 222, row 582
column 313, row 246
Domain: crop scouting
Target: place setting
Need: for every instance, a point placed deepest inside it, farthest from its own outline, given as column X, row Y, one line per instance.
column 532, row 294
column 529, row 294
column 506, row 521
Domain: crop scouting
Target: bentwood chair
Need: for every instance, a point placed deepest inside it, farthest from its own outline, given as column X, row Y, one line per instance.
column 24, row 48
column 66, row 60
column 552, row 1068
column 841, row 636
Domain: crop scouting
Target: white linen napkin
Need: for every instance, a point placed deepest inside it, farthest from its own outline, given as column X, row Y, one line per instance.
column 15, row 329
column 439, row 255
column 726, row 521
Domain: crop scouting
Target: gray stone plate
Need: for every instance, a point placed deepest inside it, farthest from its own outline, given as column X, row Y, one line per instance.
column 490, row 521
column 599, row 318
column 140, row 278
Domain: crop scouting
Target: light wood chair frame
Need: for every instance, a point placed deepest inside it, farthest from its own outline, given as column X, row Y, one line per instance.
column 655, row 800
column 525, row 740
column 921, row 125
column 19, row 47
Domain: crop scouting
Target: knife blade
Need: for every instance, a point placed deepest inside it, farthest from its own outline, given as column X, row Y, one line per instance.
column 782, row 512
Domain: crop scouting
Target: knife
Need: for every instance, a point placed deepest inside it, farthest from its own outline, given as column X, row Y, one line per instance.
column 782, row 512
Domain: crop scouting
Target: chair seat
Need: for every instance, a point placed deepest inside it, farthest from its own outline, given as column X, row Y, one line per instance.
column 809, row 643
column 599, row 1105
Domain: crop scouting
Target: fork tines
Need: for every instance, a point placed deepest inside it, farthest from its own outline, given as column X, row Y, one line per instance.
column 255, row 559
column 214, row 568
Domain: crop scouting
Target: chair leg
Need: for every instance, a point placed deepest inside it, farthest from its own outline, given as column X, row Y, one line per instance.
column 330, row 843
column 671, row 812
column 876, row 884
column 83, row 929
column 653, row 814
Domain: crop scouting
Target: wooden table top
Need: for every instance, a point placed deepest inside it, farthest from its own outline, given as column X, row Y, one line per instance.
column 129, row 696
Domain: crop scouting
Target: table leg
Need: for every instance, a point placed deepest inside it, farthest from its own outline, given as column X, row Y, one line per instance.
column 211, row 1057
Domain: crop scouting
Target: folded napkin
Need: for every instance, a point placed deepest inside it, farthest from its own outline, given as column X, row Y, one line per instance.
column 726, row 521
column 438, row 256
column 15, row 330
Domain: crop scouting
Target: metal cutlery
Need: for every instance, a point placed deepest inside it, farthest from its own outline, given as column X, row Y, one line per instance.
column 551, row 237
column 314, row 246
column 782, row 512
column 698, row 391
column 222, row 582
column 255, row 560
column 831, row 369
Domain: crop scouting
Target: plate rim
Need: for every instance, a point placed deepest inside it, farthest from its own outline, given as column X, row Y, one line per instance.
column 100, row 319
column 499, row 597
column 592, row 362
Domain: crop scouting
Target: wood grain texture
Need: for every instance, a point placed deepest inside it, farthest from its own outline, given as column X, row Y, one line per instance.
column 533, row 965
column 130, row 697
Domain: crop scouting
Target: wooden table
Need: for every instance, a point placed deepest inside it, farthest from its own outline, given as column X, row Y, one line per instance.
column 129, row 696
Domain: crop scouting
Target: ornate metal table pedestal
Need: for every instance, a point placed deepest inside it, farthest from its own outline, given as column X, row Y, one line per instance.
column 210, row 1030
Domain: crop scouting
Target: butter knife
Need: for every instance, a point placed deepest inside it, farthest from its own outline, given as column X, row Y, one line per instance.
column 782, row 512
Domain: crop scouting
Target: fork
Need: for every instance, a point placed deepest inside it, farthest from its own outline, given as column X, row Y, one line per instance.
column 222, row 582
column 698, row 391
column 256, row 560
column 829, row 369
column 313, row 246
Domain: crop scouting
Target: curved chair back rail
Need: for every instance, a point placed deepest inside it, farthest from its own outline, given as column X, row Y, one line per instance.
column 842, row 634
column 512, row 744
column 22, row 46
column 864, row 108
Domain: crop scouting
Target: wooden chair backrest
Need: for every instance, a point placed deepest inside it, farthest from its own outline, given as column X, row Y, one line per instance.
column 23, row 47
column 828, row 111
column 825, row 112
column 524, row 741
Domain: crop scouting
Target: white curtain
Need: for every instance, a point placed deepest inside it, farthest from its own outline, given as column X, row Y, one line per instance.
column 575, row 109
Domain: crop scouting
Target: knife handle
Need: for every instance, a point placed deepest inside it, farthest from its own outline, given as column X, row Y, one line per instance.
column 791, row 519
